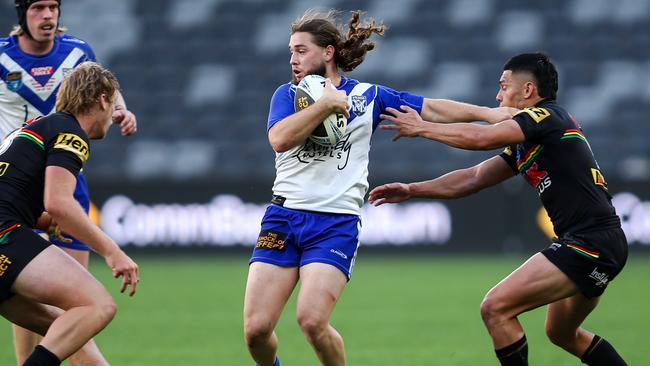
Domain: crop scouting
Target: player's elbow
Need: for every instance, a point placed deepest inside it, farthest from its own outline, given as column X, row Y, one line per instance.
column 55, row 206
column 279, row 141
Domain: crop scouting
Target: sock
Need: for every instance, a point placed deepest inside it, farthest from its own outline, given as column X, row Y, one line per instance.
column 515, row 354
column 601, row 353
column 276, row 363
column 42, row 357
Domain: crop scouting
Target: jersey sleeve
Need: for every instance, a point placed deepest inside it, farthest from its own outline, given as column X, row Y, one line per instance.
column 281, row 105
column 83, row 45
column 508, row 155
column 67, row 146
column 387, row 97
column 534, row 122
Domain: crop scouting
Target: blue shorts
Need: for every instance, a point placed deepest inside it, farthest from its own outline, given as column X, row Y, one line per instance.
column 82, row 196
column 293, row 238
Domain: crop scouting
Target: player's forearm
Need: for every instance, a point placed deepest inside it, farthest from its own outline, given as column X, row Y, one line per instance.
column 120, row 103
column 456, row 184
column 72, row 219
column 464, row 136
column 450, row 111
column 294, row 129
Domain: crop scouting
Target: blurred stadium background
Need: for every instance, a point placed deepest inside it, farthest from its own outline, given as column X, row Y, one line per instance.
column 199, row 75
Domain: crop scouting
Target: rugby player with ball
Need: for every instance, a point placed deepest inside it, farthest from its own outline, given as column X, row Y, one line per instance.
column 320, row 126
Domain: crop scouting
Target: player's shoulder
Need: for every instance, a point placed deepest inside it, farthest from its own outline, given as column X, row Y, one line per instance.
column 55, row 124
column 6, row 43
column 285, row 90
column 545, row 111
column 68, row 40
column 356, row 87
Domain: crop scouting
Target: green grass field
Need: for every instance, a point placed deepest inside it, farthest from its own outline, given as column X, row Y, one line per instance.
column 395, row 311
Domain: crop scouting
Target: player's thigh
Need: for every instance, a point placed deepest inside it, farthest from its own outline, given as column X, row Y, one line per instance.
column 268, row 289
column 54, row 278
column 81, row 256
column 29, row 314
column 321, row 286
column 566, row 315
column 535, row 283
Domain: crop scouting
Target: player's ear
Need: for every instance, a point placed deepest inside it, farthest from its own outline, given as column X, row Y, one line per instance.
column 328, row 52
column 529, row 89
column 103, row 102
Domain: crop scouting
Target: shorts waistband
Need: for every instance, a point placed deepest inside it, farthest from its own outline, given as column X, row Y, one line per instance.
column 278, row 200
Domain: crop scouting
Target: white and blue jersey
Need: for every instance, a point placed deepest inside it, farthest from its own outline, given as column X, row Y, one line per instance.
column 333, row 178
column 28, row 87
column 321, row 188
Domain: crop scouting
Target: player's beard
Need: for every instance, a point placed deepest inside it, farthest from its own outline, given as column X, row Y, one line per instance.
column 320, row 70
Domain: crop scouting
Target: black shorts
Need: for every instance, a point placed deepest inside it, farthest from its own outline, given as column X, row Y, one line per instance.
column 18, row 248
column 590, row 259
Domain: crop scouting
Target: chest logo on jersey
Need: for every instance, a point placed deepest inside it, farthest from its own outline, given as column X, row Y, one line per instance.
column 74, row 144
column 42, row 71
column 539, row 179
column 313, row 152
column 14, row 80
column 359, row 104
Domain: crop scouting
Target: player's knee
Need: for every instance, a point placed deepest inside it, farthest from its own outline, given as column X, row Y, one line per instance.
column 559, row 337
column 312, row 324
column 256, row 330
column 105, row 309
column 491, row 309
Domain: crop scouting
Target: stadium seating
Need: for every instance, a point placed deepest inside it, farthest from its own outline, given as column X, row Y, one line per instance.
column 199, row 75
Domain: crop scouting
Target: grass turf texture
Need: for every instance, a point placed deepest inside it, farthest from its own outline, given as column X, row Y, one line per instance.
column 395, row 311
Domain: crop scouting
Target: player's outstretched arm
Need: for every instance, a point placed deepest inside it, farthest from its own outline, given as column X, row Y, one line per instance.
column 294, row 129
column 461, row 135
column 65, row 210
column 456, row 184
column 123, row 117
column 450, row 111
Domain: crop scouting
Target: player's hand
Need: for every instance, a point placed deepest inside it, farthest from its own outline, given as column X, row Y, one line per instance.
column 336, row 100
column 127, row 121
column 407, row 123
column 121, row 265
column 389, row 193
column 55, row 233
column 500, row 114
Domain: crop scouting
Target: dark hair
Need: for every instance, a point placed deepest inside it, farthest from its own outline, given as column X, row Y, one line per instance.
column 349, row 50
column 541, row 67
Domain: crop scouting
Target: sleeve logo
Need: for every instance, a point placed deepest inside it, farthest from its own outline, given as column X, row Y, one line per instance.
column 537, row 114
column 599, row 180
column 74, row 144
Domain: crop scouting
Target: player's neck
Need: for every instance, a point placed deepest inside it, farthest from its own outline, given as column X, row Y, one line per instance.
column 531, row 102
column 32, row 47
column 335, row 78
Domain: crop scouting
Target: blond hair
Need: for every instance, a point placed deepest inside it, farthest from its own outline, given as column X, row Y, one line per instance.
column 80, row 90
column 18, row 31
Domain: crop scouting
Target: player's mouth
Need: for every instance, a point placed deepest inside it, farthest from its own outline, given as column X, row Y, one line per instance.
column 296, row 74
column 47, row 28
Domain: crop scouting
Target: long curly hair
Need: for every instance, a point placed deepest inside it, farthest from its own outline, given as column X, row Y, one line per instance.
column 351, row 49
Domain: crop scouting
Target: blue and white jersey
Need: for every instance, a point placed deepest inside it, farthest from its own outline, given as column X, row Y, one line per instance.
column 28, row 83
column 333, row 179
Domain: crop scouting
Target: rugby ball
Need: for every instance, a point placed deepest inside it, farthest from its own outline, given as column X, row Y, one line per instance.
column 333, row 127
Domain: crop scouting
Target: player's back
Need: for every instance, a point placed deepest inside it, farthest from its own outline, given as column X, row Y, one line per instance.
column 24, row 155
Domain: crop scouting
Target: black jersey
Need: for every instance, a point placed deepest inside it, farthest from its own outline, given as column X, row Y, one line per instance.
column 556, row 159
column 25, row 153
